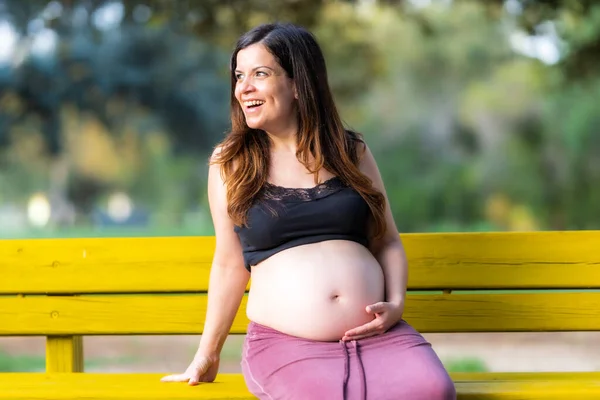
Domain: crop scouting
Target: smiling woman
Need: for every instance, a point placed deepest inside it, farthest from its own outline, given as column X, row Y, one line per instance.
column 265, row 92
column 297, row 201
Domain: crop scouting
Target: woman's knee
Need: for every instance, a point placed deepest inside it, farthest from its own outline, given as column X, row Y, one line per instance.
column 432, row 377
column 415, row 373
column 440, row 387
column 437, row 386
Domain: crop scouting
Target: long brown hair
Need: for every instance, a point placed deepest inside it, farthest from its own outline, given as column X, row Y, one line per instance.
column 244, row 153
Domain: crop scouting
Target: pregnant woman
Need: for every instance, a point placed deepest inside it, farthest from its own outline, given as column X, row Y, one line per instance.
column 298, row 204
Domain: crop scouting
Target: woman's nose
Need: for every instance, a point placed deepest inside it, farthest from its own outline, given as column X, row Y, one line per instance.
column 245, row 86
column 248, row 87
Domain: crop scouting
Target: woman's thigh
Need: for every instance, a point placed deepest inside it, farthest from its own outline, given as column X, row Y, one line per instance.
column 401, row 364
column 277, row 366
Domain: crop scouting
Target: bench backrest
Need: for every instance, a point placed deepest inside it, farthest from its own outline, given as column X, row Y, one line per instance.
column 461, row 282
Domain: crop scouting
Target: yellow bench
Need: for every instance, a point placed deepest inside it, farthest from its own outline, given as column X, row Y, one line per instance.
column 68, row 288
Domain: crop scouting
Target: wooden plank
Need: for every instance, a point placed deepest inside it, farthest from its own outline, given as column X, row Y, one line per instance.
column 525, row 312
column 106, row 315
column 64, row 354
column 91, row 265
column 509, row 260
column 506, row 260
column 523, row 376
column 484, row 386
column 184, row 314
column 527, row 386
column 528, row 390
column 31, row 386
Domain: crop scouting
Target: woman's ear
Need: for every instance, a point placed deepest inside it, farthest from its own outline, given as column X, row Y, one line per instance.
column 295, row 92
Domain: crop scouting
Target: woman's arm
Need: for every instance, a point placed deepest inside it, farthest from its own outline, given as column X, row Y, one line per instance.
column 227, row 284
column 228, row 277
column 388, row 249
column 389, row 252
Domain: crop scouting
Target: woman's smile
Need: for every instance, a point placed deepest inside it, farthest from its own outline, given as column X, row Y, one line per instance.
column 252, row 106
column 264, row 91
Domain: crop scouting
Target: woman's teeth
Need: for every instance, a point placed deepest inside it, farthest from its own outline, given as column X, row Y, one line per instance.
column 253, row 103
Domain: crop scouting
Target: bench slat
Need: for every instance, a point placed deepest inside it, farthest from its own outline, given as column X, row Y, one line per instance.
column 504, row 260
column 528, row 386
column 92, row 265
column 183, row 314
column 524, row 376
column 509, row 260
column 106, row 315
column 94, row 386
column 481, row 386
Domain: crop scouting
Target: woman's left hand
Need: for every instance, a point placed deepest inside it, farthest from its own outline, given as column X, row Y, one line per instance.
column 386, row 315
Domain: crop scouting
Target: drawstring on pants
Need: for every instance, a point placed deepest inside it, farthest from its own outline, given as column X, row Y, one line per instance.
column 363, row 384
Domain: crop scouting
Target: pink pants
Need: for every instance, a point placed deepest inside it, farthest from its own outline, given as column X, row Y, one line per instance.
column 399, row 364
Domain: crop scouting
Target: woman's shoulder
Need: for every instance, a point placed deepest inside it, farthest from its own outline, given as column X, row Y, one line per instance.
column 217, row 153
column 224, row 156
column 356, row 144
column 353, row 135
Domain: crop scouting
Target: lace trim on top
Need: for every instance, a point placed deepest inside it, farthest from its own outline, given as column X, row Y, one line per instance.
column 274, row 192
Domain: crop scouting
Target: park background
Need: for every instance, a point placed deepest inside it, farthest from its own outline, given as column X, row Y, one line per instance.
column 482, row 115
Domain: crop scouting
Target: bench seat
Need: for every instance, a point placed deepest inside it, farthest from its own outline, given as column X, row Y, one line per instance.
column 121, row 386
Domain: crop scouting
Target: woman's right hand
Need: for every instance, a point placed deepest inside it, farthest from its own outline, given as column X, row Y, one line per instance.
column 202, row 369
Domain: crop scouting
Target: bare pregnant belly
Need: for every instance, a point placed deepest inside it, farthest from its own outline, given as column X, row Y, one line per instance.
column 316, row 291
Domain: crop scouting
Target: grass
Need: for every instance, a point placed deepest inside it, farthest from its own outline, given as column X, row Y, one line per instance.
column 23, row 363
column 89, row 232
column 190, row 226
column 468, row 364
column 9, row 363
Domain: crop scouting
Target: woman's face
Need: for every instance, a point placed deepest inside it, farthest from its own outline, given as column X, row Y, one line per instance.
column 265, row 93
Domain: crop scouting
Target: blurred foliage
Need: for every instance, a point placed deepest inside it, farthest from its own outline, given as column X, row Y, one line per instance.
column 9, row 363
column 35, row 363
column 469, row 133
column 469, row 364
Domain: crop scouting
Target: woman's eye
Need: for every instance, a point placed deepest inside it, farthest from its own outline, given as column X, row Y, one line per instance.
column 261, row 73
column 238, row 76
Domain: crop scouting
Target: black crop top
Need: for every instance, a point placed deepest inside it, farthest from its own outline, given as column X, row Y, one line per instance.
column 281, row 218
